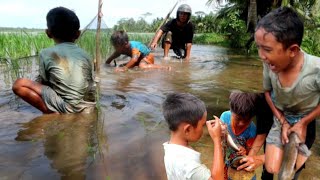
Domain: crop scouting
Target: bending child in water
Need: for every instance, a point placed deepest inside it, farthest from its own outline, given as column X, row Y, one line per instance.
column 139, row 53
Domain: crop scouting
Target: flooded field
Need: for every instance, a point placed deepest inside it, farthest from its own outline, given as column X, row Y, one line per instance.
column 123, row 140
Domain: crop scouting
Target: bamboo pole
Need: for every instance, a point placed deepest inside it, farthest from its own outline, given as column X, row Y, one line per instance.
column 98, row 39
column 164, row 21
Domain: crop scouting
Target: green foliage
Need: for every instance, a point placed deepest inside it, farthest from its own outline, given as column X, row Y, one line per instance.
column 22, row 44
column 310, row 42
column 204, row 22
column 211, row 38
column 87, row 41
column 130, row 25
column 234, row 28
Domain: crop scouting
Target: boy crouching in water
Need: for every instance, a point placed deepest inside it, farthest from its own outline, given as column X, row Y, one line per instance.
column 186, row 115
column 140, row 54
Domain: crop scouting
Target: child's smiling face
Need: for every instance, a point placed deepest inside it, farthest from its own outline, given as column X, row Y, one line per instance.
column 271, row 51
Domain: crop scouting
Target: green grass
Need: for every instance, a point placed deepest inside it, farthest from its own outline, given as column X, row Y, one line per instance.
column 212, row 39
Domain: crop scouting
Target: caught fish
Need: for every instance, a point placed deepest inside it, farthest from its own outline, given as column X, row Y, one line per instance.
column 290, row 154
column 231, row 143
column 229, row 139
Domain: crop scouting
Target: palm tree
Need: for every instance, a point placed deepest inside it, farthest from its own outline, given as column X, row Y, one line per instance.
column 253, row 10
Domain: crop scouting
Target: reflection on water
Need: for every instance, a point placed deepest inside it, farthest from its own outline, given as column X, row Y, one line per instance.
column 125, row 140
column 67, row 141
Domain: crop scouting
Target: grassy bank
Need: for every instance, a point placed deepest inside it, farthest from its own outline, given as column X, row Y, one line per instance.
column 211, row 39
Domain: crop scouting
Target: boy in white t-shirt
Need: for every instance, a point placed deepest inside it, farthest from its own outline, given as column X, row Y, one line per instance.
column 186, row 115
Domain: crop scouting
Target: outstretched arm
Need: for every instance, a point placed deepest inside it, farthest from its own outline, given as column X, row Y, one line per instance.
column 188, row 50
column 112, row 57
column 130, row 64
column 217, row 170
column 156, row 38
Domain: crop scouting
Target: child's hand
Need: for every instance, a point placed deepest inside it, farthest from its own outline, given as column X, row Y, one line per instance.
column 224, row 129
column 284, row 137
column 153, row 45
column 242, row 151
column 214, row 128
column 300, row 129
column 121, row 69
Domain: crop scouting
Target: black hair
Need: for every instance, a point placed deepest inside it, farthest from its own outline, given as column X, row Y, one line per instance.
column 119, row 38
column 63, row 24
column 285, row 24
column 182, row 107
column 243, row 104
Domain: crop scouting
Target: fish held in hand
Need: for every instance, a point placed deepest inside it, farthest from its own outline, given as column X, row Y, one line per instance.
column 290, row 154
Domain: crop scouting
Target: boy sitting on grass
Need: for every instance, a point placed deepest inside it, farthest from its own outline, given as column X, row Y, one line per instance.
column 186, row 115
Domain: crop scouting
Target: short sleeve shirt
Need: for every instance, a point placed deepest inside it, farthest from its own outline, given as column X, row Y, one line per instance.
column 139, row 49
column 180, row 36
column 183, row 163
column 304, row 94
column 67, row 69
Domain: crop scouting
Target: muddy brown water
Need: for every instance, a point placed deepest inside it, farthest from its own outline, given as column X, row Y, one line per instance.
column 123, row 140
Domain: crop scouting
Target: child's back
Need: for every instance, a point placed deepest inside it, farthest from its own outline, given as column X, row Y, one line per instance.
column 67, row 69
column 65, row 82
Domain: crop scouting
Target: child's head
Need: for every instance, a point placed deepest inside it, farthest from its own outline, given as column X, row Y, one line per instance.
column 184, row 109
column 119, row 39
column 242, row 106
column 63, row 25
column 278, row 37
column 284, row 24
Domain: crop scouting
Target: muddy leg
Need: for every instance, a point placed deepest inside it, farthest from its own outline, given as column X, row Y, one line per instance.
column 274, row 157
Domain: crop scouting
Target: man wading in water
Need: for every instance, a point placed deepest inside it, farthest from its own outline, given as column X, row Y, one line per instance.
column 178, row 34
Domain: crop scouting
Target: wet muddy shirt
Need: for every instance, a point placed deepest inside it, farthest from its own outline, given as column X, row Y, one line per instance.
column 67, row 69
column 304, row 94
column 180, row 35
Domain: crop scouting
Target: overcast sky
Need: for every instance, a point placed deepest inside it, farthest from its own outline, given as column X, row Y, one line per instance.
column 32, row 13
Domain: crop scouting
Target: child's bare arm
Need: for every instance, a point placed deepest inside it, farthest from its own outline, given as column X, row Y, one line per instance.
column 130, row 64
column 276, row 112
column 257, row 144
column 214, row 129
column 112, row 57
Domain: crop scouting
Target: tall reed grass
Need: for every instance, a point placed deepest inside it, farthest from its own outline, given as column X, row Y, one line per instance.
column 21, row 44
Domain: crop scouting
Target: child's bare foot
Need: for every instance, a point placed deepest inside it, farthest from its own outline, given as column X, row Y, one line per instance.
column 166, row 58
